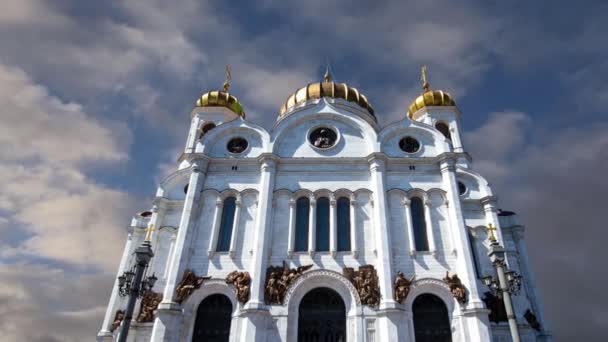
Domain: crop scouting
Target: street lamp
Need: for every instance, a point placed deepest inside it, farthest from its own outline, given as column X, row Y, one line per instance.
column 507, row 284
column 132, row 284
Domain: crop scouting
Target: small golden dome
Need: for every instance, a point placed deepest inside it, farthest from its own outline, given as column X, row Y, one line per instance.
column 221, row 99
column 327, row 88
column 430, row 98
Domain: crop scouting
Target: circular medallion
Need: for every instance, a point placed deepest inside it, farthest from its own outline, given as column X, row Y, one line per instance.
column 409, row 145
column 237, row 145
column 323, row 137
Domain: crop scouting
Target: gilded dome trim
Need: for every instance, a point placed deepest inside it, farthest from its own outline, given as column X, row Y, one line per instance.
column 221, row 99
column 326, row 89
column 430, row 98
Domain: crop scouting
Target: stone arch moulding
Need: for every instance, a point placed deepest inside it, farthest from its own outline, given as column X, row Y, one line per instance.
column 435, row 287
column 190, row 306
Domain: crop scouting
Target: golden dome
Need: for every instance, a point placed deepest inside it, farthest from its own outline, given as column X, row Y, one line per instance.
column 430, row 98
column 221, row 99
column 327, row 88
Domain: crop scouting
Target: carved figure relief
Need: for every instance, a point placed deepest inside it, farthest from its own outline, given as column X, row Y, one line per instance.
column 148, row 306
column 532, row 320
column 402, row 287
column 278, row 280
column 498, row 313
column 323, row 137
column 118, row 317
column 189, row 283
column 365, row 281
column 456, row 287
column 242, row 282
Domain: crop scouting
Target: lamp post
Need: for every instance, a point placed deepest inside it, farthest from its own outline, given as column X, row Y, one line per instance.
column 507, row 284
column 130, row 283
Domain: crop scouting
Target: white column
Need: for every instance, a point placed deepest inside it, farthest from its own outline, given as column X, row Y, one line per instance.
column 235, row 226
column 312, row 226
column 333, row 233
column 491, row 213
column 255, row 315
column 448, row 222
column 429, row 225
column 292, row 228
column 169, row 257
column 215, row 228
column 409, row 226
column 169, row 312
column 455, row 134
column 193, row 134
column 474, row 312
column 353, row 226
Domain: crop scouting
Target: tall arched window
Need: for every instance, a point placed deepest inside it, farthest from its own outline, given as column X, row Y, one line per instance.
column 213, row 318
column 419, row 224
column 322, row 233
column 302, row 210
column 225, row 234
column 343, row 224
column 431, row 319
column 444, row 129
column 473, row 245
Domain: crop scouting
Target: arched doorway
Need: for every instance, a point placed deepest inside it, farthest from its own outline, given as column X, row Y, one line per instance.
column 322, row 317
column 213, row 319
column 431, row 319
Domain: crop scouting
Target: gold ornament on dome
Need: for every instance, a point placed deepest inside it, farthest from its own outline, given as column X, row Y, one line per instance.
column 219, row 98
column 429, row 97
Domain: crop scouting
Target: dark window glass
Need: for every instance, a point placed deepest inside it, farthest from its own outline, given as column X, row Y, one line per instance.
column 474, row 254
column 213, row 319
column 322, row 235
column 419, row 224
column 409, row 145
column 343, row 224
column 431, row 319
column 302, row 212
column 461, row 188
column 237, row 145
column 206, row 129
column 223, row 243
column 444, row 129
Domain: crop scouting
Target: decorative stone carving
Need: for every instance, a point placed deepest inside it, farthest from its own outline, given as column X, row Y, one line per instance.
column 365, row 281
column 148, row 306
column 402, row 287
column 456, row 287
column 242, row 283
column 278, row 280
column 118, row 317
column 532, row 320
column 189, row 283
column 498, row 313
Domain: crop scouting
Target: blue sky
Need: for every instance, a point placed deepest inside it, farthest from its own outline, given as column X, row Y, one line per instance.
column 95, row 100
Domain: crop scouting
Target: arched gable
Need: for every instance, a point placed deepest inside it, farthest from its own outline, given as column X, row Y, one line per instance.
column 432, row 143
column 215, row 141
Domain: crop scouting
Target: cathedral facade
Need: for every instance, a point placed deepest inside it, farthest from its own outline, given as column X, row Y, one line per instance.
column 328, row 227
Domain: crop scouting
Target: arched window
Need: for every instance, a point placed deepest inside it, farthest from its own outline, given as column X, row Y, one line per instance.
column 431, row 319
column 322, row 316
column 213, row 318
column 206, row 128
column 444, row 129
column 473, row 245
column 223, row 242
column 343, row 224
column 322, row 234
column 302, row 210
column 419, row 224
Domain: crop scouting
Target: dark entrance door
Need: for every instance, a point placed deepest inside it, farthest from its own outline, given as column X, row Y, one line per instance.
column 213, row 319
column 431, row 320
column 322, row 317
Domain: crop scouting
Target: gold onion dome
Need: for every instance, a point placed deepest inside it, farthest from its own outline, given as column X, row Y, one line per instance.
column 429, row 97
column 327, row 88
column 219, row 98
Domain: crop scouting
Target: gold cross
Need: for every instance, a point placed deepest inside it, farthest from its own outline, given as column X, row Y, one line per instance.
column 491, row 230
column 425, row 84
column 228, row 78
column 149, row 232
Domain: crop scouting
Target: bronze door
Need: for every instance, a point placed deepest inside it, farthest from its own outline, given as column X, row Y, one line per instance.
column 213, row 320
column 322, row 317
column 431, row 320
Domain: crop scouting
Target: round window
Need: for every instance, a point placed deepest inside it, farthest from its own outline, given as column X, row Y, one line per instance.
column 323, row 137
column 409, row 145
column 461, row 188
column 237, row 145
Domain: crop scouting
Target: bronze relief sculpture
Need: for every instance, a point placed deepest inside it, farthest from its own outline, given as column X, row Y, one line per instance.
column 148, row 305
column 365, row 281
column 242, row 283
column 189, row 283
column 118, row 317
column 278, row 280
column 456, row 287
column 402, row 287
